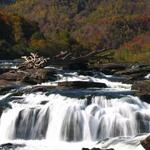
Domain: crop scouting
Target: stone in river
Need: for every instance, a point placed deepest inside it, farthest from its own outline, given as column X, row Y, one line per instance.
column 81, row 84
column 146, row 143
column 142, row 89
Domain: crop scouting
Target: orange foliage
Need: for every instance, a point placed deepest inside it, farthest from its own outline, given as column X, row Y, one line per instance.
column 141, row 41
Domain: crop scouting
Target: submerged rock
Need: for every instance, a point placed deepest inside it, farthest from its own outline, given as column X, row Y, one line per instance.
column 146, row 143
column 81, row 84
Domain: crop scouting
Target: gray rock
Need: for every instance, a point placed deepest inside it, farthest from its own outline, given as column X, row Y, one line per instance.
column 81, row 84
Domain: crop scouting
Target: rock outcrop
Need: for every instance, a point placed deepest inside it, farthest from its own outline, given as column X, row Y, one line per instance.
column 81, row 84
column 112, row 68
column 146, row 143
column 134, row 72
column 142, row 90
column 29, row 76
column 6, row 86
column 31, row 71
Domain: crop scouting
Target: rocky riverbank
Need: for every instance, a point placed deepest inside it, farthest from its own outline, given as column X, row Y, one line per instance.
column 135, row 74
column 132, row 74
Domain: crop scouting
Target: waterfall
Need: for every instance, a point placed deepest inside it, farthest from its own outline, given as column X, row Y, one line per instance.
column 53, row 117
column 70, row 119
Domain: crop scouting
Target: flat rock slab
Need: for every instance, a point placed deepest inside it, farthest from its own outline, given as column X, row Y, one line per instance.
column 30, row 76
column 81, row 84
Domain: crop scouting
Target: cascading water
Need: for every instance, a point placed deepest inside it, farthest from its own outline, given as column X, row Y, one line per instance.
column 54, row 118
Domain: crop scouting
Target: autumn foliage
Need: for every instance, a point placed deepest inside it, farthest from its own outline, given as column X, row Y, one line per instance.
column 77, row 26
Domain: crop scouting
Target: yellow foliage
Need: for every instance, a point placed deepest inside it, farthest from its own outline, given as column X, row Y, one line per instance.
column 38, row 43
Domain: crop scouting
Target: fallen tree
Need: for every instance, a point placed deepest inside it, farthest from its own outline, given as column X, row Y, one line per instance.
column 33, row 61
column 65, row 58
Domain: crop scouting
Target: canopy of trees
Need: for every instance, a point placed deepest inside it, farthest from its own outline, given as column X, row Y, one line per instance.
column 78, row 26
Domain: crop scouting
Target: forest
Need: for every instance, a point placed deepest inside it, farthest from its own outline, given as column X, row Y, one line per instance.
column 51, row 26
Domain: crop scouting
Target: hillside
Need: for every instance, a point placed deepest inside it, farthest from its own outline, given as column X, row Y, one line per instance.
column 85, row 25
column 16, row 35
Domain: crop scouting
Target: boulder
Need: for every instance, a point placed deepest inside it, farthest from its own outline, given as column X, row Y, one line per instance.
column 6, row 86
column 35, row 76
column 146, row 143
column 142, row 89
column 3, row 70
column 30, row 76
column 81, row 84
column 7, row 146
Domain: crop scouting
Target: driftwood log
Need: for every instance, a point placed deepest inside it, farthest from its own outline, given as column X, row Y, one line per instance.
column 33, row 61
column 66, row 58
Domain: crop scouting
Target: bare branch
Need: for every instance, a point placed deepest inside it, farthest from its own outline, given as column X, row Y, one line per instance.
column 33, row 61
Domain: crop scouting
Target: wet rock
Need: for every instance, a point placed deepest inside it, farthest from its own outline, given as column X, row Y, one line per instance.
column 1, row 111
column 89, row 100
column 135, row 72
column 4, row 104
column 30, row 76
column 97, row 149
column 77, row 66
column 146, row 143
column 81, row 84
column 39, row 89
column 6, row 86
column 111, row 68
column 142, row 89
column 40, row 75
column 8, row 146
column 145, row 98
column 11, row 75
column 3, row 70
column 86, row 73
column 85, row 148
column 44, row 102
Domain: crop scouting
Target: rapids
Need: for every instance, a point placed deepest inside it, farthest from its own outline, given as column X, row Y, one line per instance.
column 75, row 118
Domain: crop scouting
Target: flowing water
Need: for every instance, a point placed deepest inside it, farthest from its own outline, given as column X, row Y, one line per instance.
column 74, row 118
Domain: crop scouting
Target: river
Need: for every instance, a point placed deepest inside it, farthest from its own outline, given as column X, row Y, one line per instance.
column 66, row 119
